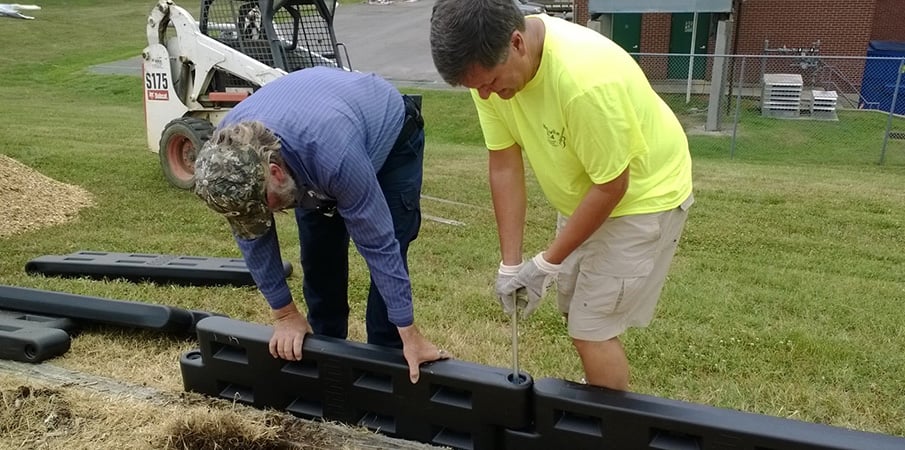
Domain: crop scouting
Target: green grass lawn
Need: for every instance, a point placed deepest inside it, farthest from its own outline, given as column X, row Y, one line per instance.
column 785, row 297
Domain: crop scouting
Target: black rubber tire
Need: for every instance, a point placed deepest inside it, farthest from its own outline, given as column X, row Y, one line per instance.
column 179, row 144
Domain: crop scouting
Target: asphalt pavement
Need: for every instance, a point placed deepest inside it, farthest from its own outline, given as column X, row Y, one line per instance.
column 389, row 39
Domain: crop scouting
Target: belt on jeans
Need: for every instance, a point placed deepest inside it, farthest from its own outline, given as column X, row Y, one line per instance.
column 413, row 120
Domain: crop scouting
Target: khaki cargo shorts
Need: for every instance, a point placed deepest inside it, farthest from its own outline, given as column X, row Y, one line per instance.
column 613, row 280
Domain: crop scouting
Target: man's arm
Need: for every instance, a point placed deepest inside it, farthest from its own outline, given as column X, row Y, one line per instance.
column 507, row 187
column 262, row 257
column 370, row 225
column 594, row 209
column 606, row 137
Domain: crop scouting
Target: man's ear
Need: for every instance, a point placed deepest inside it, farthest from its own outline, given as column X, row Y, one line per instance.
column 277, row 173
column 517, row 41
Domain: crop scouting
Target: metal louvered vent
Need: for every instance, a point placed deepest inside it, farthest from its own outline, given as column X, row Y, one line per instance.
column 823, row 104
column 781, row 96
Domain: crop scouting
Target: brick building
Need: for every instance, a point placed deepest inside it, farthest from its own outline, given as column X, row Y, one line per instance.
column 844, row 27
column 833, row 27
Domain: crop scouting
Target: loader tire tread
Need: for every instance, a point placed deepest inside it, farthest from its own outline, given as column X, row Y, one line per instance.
column 180, row 142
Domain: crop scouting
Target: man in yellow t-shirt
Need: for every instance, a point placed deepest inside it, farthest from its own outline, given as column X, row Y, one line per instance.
column 609, row 154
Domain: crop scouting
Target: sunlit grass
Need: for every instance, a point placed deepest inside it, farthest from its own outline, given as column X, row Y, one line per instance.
column 784, row 298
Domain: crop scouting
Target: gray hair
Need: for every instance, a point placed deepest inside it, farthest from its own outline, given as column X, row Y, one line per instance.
column 468, row 32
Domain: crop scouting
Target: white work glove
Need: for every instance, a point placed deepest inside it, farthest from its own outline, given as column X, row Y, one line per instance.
column 509, row 294
column 535, row 276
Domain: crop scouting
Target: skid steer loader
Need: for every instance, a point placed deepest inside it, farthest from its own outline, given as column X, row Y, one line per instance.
column 195, row 72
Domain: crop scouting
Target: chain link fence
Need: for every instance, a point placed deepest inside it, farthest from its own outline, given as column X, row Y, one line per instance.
column 802, row 107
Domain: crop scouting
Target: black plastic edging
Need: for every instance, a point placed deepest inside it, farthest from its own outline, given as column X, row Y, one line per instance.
column 455, row 403
column 577, row 416
column 473, row 407
column 98, row 310
column 139, row 267
column 32, row 344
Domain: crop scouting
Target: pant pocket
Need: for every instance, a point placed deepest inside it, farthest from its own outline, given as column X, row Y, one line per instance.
column 405, row 208
column 610, row 295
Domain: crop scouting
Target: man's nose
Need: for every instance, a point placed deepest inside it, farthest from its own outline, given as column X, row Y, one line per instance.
column 485, row 92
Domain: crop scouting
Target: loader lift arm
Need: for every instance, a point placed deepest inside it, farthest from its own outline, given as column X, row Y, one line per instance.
column 203, row 52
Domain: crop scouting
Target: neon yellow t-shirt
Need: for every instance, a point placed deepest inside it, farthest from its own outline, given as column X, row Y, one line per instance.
column 587, row 115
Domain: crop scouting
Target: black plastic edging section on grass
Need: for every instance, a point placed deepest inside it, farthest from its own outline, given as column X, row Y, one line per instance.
column 572, row 415
column 99, row 310
column 139, row 267
column 469, row 406
column 32, row 344
column 455, row 403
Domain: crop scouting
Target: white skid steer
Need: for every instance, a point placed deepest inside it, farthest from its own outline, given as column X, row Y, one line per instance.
column 195, row 72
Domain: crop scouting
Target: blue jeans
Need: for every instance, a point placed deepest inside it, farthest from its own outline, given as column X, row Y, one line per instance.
column 325, row 248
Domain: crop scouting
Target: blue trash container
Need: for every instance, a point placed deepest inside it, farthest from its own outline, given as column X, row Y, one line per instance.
column 878, row 83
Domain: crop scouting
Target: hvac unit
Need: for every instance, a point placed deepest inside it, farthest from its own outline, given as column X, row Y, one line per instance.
column 781, row 96
column 823, row 105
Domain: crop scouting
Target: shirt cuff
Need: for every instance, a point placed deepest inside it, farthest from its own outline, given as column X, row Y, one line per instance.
column 279, row 298
column 401, row 317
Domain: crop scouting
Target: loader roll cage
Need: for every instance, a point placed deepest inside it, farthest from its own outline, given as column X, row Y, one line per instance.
column 286, row 34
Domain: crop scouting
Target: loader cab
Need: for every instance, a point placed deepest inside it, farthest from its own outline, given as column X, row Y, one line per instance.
column 286, row 34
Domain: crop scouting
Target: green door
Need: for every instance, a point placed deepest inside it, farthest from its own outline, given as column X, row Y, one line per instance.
column 680, row 42
column 627, row 32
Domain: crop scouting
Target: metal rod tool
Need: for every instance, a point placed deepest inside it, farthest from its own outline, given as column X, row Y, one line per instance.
column 516, row 378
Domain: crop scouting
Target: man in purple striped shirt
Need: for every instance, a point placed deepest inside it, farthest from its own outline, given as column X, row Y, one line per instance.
column 344, row 149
